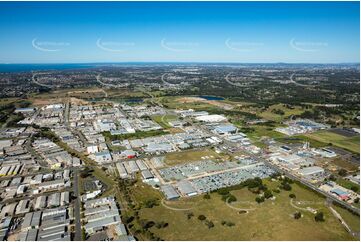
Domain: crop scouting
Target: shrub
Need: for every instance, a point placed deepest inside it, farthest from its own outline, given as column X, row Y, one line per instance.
column 260, row 199
column 286, row 186
column 161, row 224
column 268, row 194
column 202, row 217
column 319, row 217
column 190, row 215
column 297, row 215
column 292, row 195
column 276, row 190
column 230, row 224
column 207, row 196
column 231, row 198
column 354, row 188
column 223, row 191
column 150, row 203
column 342, row 172
column 210, row 224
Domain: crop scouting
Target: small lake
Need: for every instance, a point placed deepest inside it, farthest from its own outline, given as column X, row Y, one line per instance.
column 134, row 100
column 212, row 98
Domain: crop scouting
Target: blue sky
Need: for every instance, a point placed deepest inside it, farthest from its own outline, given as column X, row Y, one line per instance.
column 78, row 32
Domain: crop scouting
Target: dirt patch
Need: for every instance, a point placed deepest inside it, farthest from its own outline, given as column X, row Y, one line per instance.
column 78, row 101
column 219, row 104
column 43, row 102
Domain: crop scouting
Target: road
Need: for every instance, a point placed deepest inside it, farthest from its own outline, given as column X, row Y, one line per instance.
column 259, row 158
column 78, row 232
column 105, row 84
column 38, row 83
column 233, row 83
column 31, row 150
column 67, row 123
column 296, row 83
column 329, row 196
column 356, row 210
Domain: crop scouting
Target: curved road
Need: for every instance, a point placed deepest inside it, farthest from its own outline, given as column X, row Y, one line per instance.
column 38, row 83
column 296, row 83
column 105, row 84
column 232, row 83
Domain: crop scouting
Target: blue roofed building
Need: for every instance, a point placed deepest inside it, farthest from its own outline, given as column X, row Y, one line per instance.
column 225, row 129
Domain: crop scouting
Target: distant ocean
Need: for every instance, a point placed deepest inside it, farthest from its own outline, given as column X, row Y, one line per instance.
column 41, row 67
column 49, row 67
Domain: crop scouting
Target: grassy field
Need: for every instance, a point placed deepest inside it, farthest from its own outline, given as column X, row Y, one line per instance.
column 302, row 139
column 270, row 115
column 348, row 143
column 271, row 220
column 163, row 120
column 173, row 103
column 347, row 165
column 347, row 184
column 258, row 131
column 136, row 135
column 190, row 156
column 352, row 220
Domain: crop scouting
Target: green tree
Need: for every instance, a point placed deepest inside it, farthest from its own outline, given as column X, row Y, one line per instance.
column 297, row 215
column 319, row 217
column 260, row 199
column 268, row 194
column 342, row 172
column 150, row 203
column 190, row 215
column 230, row 224
column 354, row 188
column 333, row 177
column 286, row 186
column 231, row 198
column 209, row 224
column 207, row 196
column 292, row 195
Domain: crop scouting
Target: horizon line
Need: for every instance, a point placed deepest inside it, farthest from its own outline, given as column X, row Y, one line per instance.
column 170, row 62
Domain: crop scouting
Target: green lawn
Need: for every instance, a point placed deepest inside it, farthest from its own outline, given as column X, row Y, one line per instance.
column 347, row 184
column 174, row 103
column 259, row 131
column 163, row 120
column 190, row 156
column 348, row 143
column 302, row 139
column 270, row 115
column 351, row 219
column 272, row 220
column 136, row 135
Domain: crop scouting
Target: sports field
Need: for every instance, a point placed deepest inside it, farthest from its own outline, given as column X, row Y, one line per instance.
column 271, row 220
